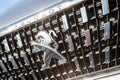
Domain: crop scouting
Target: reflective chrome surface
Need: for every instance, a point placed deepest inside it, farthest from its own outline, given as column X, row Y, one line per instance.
column 70, row 43
column 105, row 6
column 19, row 42
column 75, row 59
column 3, row 66
column 24, row 56
column 12, row 60
column 88, row 37
column 91, row 59
column 49, row 52
column 41, row 11
column 107, row 30
column 6, row 46
column 84, row 14
column 65, row 22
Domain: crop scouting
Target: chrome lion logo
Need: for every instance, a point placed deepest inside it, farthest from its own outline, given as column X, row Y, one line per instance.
column 49, row 46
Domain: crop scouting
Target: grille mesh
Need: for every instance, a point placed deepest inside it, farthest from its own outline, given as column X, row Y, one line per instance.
column 93, row 49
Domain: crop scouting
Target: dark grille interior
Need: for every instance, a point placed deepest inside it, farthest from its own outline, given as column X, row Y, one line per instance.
column 95, row 41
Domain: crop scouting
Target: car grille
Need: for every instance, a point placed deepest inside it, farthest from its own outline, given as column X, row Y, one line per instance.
column 88, row 37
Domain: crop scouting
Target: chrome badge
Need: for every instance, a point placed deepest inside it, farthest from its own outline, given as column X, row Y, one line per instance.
column 43, row 43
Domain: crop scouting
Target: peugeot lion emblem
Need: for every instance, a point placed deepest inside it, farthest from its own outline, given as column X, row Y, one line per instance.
column 45, row 42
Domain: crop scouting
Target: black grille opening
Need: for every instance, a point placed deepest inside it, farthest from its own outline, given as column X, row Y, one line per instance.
column 94, row 39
